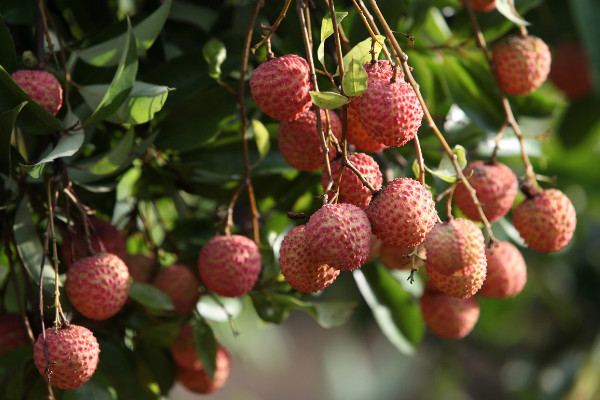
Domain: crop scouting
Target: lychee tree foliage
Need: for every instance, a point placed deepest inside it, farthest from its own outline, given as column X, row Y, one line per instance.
column 174, row 124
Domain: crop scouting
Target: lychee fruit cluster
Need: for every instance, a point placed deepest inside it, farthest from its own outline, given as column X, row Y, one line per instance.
column 104, row 237
column 42, row 87
column 179, row 283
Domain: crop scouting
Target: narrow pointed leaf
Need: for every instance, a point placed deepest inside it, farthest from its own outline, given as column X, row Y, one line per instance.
column 7, row 124
column 115, row 158
column 328, row 100
column 206, row 346
column 326, row 31
column 507, row 8
column 261, row 136
column 150, row 297
column 362, row 52
column 8, row 57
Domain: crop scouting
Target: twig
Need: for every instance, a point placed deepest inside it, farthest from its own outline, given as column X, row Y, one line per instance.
column 51, row 204
column 420, row 160
column 273, row 28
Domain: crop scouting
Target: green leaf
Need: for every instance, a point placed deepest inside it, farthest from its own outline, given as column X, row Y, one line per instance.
column 585, row 13
column 150, row 297
column 160, row 335
column 214, row 53
column 109, row 53
column 7, row 124
column 328, row 100
column 220, row 309
column 122, row 82
column 144, row 100
column 33, row 117
column 115, row 158
column 261, row 136
column 8, row 58
column 507, row 8
column 355, row 78
column 445, row 169
column 97, row 388
column 13, row 359
column 206, row 346
column 580, row 121
column 326, row 31
column 202, row 17
column 362, row 52
column 395, row 311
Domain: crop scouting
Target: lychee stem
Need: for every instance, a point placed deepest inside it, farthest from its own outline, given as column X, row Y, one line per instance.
column 369, row 23
column 273, row 28
column 530, row 191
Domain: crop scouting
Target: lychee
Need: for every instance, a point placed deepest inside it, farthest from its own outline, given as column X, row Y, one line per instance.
column 390, row 112
column 403, row 213
column 449, row 317
column 142, row 267
column 281, row 86
column 351, row 189
column 506, row 272
column 496, row 188
column 98, row 286
column 42, row 87
column 339, row 235
column 298, row 267
column 570, row 71
column 546, row 220
column 183, row 348
column 180, row 284
column 12, row 332
column 300, row 141
column 72, row 356
column 522, row 63
column 482, row 5
column 397, row 257
column 198, row 381
column 229, row 265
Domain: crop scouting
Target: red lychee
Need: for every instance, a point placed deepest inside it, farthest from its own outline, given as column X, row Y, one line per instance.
column 546, row 220
column 281, row 86
column 98, row 286
column 339, row 235
column 42, row 87
column 352, row 190
column 142, row 267
column 522, row 63
column 506, row 272
column 12, row 332
column 396, row 257
column 403, row 213
column 72, row 356
column 183, row 348
column 198, row 381
column 180, row 284
column 496, row 188
column 570, row 71
column 482, row 5
column 300, row 142
column 449, row 317
column 298, row 267
column 229, row 265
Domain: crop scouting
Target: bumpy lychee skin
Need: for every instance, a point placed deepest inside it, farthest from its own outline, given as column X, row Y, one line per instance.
column 339, row 235
column 98, row 285
column 506, row 272
column 180, row 284
column 546, row 221
column 229, row 265
column 449, row 317
column 280, row 87
column 42, row 87
column 496, row 186
column 298, row 267
column 403, row 213
column 390, row 112
column 198, row 381
column 522, row 63
column 482, row 5
column 352, row 190
column 12, row 332
column 458, row 284
column 456, row 245
column 73, row 354
column 300, row 142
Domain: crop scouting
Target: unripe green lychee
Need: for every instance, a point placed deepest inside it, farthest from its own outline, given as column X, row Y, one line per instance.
column 352, row 190
column 449, row 317
column 496, row 187
column 98, row 286
column 229, row 265
column 506, row 272
column 522, row 63
column 298, row 267
column 198, row 381
column 339, row 235
column 42, row 87
column 180, row 284
column 546, row 220
column 280, row 87
column 300, row 142
column 403, row 213
column 72, row 356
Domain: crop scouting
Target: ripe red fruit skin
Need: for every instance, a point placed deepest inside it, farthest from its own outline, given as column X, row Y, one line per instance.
column 390, row 112
column 300, row 142
column 42, row 87
column 73, row 352
column 98, row 286
column 351, row 188
column 198, row 381
column 570, row 71
column 403, row 213
column 180, row 284
column 142, row 268
column 183, row 349
column 229, row 265
column 522, row 63
column 298, row 267
column 397, row 257
column 546, row 221
column 449, row 317
column 12, row 332
column 280, row 87
column 496, row 186
column 339, row 235
column 506, row 272
column 482, row 5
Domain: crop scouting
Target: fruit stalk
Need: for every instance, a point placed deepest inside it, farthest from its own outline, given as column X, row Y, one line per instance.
column 51, row 203
column 273, row 28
